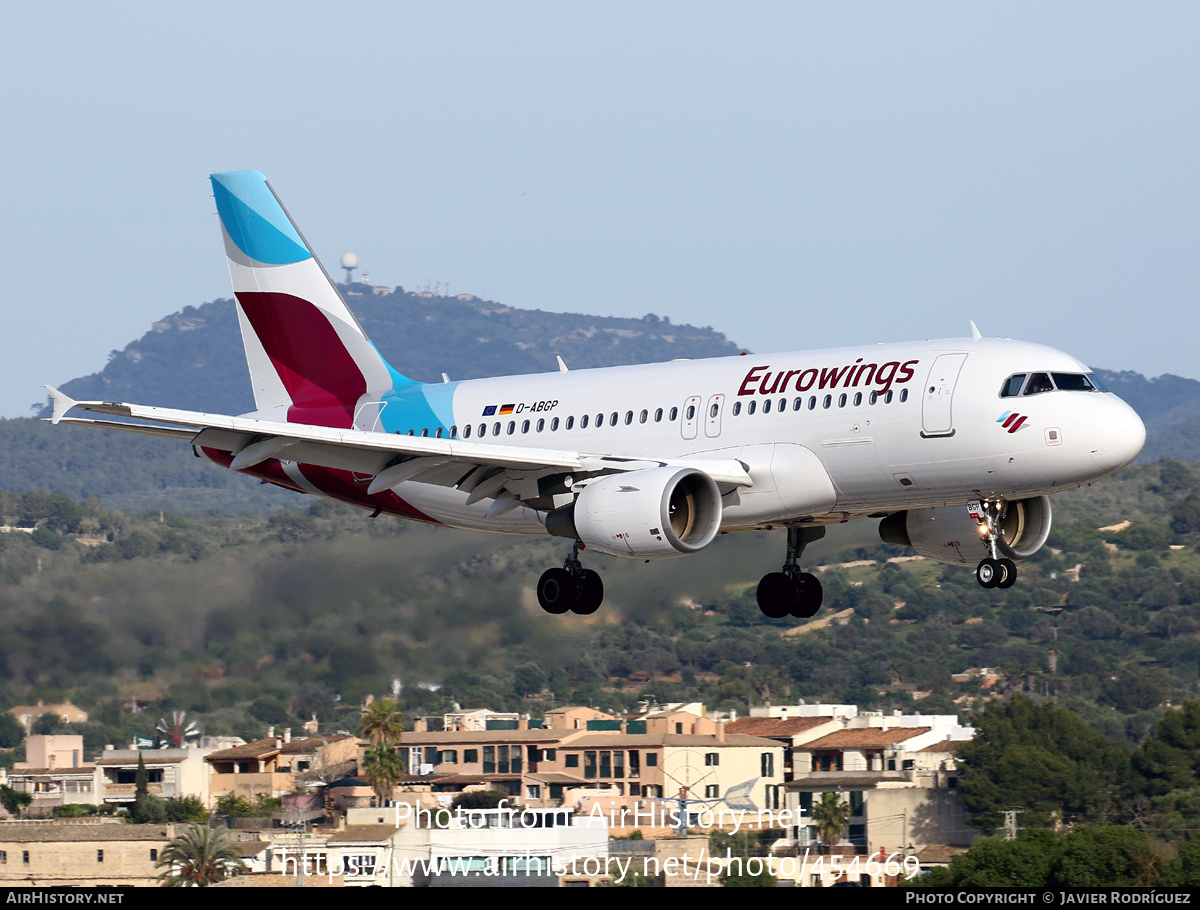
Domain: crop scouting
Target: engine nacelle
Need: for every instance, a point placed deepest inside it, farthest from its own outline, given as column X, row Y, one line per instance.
column 952, row 536
column 658, row 513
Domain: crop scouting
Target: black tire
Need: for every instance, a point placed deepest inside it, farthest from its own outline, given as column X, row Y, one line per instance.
column 776, row 595
column 591, row 593
column 809, row 595
column 1009, row 568
column 989, row 573
column 556, row 591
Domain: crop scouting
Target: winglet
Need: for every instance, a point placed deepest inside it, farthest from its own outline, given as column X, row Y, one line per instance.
column 974, row 331
column 62, row 403
column 562, row 367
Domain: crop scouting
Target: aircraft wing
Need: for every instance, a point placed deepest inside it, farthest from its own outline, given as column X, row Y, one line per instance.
column 484, row 470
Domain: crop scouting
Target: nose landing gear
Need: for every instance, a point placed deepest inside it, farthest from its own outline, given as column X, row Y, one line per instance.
column 993, row 571
column 572, row 588
column 791, row 592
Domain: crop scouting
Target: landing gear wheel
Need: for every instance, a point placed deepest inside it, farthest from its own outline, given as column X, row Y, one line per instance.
column 590, row 590
column 808, row 596
column 776, row 595
column 989, row 573
column 556, row 591
column 1010, row 573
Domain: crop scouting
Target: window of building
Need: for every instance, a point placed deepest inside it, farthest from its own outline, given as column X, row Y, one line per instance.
column 153, row 855
column 470, row 756
column 679, row 728
column 856, row 802
column 768, row 764
column 25, row 857
column 712, row 759
column 3, row 857
column 572, row 760
column 712, row 791
column 651, row 759
column 533, row 791
column 99, row 856
column 448, row 756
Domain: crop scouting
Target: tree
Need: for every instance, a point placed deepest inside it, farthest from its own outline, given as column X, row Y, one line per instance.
column 383, row 768
column 831, row 815
column 1042, row 759
column 381, row 722
column 14, row 801
column 479, row 799
column 199, row 856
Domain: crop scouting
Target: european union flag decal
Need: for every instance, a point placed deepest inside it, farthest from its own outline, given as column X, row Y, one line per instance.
column 489, row 410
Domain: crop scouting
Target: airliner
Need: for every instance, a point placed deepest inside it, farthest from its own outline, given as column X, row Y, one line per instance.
column 953, row 446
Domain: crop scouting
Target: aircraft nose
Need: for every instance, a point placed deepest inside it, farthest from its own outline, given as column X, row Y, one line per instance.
column 1117, row 438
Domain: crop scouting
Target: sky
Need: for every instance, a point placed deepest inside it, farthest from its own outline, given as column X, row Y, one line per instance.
column 796, row 175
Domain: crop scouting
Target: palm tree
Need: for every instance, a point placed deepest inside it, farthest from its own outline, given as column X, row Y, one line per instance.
column 383, row 768
column 831, row 816
column 381, row 722
column 199, row 856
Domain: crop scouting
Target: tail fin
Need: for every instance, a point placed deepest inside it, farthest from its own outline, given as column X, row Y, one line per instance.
column 307, row 354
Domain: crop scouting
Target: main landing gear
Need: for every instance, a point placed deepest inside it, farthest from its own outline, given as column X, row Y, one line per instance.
column 572, row 588
column 791, row 592
column 992, row 572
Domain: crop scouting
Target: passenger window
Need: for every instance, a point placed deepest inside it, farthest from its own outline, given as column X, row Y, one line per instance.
column 553, row 424
column 644, row 416
column 750, row 408
column 612, row 420
column 628, row 418
column 1012, row 385
column 674, row 414
column 541, row 424
column 857, row 399
column 812, row 402
column 454, row 432
column 1038, row 383
column 712, row 412
column 512, row 427
column 827, row 402
column 496, row 429
column 767, row 406
column 691, row 412
column 437, row 434
column 658, row 416
column 842, row 400
column 599, row 421
column 874, row 397
column 737, row 408
column 571, row 422
column 887, row 399
column 782, row 405
column 525, row 426
column 483, row 429
column 583, row 422
column 466, row 432
column 412, row 432
column 797, row 404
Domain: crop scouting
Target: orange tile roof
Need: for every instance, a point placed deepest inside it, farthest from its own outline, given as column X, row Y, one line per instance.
column 775, row 726
column 865, row 738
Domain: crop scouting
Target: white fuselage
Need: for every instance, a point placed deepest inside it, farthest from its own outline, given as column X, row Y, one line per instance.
column 817, row 444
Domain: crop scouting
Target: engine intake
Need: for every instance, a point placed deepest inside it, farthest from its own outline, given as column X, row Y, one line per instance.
column 658, row 513
column 952, row 536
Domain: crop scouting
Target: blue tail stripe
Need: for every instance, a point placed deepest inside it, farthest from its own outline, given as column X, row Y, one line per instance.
column 254, row 219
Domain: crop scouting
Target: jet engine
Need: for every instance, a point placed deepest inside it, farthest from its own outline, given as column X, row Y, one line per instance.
column 951, row 535
column 657, row 513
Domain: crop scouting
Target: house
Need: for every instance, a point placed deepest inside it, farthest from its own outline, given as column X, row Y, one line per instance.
column 273, row 766
column 65, row 712
column 81, row 852
column 55, row 773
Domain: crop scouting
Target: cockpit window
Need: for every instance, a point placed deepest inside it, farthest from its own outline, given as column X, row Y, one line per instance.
column 1038, row 383
column 1073, row 382
column 1012, row 385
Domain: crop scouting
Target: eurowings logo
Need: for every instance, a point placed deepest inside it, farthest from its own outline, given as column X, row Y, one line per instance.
column 1012, row 421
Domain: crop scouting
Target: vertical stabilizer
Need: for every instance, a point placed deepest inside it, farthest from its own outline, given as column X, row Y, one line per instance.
column 309, row 358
